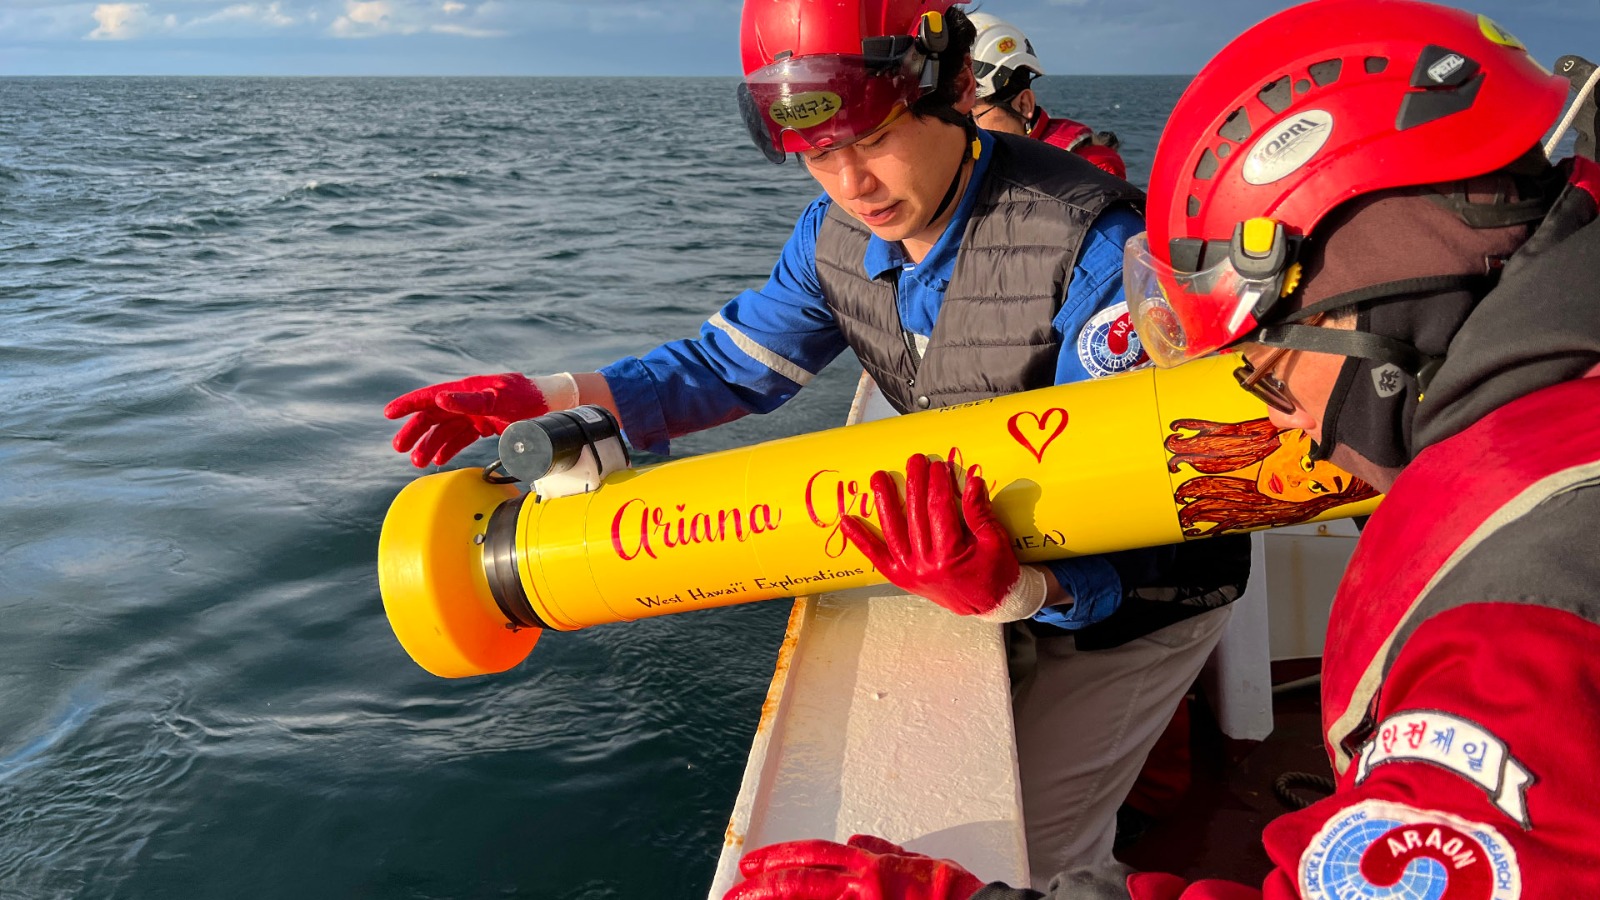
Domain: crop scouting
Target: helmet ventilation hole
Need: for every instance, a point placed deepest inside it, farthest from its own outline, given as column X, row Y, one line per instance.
column 1236, row 127
column 1326, row 72
column 1277, row 95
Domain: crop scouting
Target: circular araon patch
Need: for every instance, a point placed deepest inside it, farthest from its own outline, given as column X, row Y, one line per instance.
column 1108, row 344
column 1389, row 851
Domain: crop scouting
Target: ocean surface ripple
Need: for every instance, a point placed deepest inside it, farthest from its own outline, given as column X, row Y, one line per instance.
column 208, row 290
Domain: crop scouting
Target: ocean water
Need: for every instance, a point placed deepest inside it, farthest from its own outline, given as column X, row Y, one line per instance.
column 208, row 290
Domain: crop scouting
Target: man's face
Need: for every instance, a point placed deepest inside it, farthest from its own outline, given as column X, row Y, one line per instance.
column 1310, row 379
column 892, row 180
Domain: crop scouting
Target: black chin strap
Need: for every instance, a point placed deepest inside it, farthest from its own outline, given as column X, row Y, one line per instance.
column 1366, row 345
column 1354, row 343
column 1027, row 122
column 969, row 128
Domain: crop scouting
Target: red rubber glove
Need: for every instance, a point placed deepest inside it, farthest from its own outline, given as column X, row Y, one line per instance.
column 956, row 554
column 448, row 417
column 867, row 868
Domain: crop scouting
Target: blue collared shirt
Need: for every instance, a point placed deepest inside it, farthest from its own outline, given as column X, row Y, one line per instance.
column 763, row 346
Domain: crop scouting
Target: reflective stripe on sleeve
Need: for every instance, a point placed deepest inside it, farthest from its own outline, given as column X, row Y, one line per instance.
column 760, row 354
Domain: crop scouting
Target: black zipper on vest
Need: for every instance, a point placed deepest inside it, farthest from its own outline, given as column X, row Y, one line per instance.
column 911, row 350
column 906, row 336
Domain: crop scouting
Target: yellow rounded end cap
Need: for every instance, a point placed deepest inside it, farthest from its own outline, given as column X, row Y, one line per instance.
column 430, row 572
column 1258, row 234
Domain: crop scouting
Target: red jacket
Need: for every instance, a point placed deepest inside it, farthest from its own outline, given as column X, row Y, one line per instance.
column 1461, row 679
column 1470, row 659
column 1461, row 683
column 1079, row 138
column 1467, row 761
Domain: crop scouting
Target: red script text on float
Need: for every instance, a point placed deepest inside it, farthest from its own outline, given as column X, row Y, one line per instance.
column 641, row 528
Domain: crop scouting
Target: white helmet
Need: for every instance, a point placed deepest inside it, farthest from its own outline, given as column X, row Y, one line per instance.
column 999, row 50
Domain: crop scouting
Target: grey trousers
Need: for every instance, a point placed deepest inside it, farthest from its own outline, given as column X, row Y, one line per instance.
column 1085, row 721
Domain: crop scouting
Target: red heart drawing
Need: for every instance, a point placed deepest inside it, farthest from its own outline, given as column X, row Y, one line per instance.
column 1041, row 426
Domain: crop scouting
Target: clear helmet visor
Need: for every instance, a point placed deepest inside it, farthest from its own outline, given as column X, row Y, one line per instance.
column 1181, row 316
column 826, row 101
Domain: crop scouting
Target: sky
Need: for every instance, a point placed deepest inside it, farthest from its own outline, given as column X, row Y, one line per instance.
column 612, row 37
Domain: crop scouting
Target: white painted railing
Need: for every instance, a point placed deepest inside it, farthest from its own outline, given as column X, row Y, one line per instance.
column 887, row 716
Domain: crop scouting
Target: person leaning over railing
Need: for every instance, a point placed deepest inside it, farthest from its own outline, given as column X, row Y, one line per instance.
column 959, row 265
column 1413, row 284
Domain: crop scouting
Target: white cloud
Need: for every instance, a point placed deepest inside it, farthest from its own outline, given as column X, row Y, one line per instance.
column 372, row 18
column 240, row 18
column 368, row 12
column 466, row 31
column 132, row 20
column 270, row 14
column 126, row 21
column 368, row 18
column 120, row 21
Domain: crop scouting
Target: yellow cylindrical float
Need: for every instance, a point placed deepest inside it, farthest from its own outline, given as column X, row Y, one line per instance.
column 471, row 572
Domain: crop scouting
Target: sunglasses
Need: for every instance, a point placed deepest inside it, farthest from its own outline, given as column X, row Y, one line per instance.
column 1269, row 388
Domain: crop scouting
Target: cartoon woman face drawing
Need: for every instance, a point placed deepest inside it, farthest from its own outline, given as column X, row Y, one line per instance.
column 1289, row 473
column 1252, row 476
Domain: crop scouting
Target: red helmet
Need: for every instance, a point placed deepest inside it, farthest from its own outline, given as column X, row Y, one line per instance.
column 826, row 73
column 1320, row 103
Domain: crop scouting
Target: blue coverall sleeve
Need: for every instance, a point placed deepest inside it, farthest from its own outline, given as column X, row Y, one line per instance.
column 1093, row 304
column 750, row 357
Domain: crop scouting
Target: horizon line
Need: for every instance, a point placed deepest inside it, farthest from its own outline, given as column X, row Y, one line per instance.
column 4, row 75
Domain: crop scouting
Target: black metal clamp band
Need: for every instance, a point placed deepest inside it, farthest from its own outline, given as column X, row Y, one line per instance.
column 500, row 567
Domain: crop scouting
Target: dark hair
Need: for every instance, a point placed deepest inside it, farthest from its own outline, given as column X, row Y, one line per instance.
column 952, row 63
column 1018, row 81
